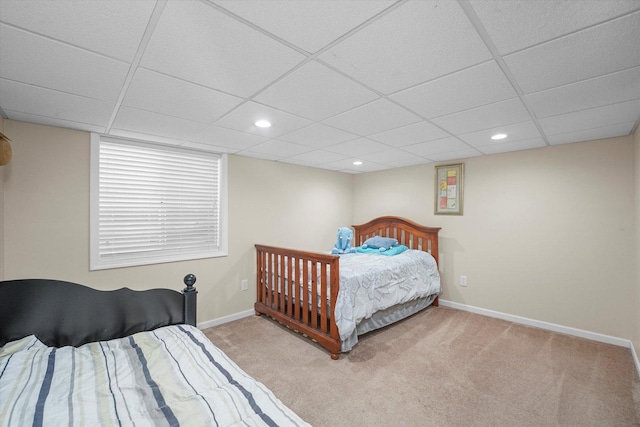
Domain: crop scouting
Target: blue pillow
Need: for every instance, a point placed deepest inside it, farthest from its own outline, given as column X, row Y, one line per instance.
column 394, row 250
column 378, row 242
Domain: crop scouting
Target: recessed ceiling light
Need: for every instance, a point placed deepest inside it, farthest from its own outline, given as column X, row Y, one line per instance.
column 357, row 163
column 499, row 136
column 263, row 124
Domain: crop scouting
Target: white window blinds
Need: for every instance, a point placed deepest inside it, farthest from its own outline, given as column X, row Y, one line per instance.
column 153, row 204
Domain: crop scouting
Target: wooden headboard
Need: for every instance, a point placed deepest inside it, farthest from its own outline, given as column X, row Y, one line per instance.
column 407, row 232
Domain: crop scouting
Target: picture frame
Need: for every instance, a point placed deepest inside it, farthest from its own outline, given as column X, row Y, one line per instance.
column 449, row 189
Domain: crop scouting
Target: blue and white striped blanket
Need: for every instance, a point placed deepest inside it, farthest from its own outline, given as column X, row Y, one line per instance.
column 168, row 377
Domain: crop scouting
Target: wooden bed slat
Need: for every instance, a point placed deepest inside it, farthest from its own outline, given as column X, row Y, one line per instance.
column 303, row 295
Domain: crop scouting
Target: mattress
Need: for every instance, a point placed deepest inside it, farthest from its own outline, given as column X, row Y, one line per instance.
column 167, row 377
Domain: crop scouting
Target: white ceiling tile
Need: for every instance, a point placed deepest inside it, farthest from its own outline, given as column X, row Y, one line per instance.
column 497, row 114
column 516, row 24
column 332, row 93
column 244, row 117
column 463, row 90
column 177, row 97
column 294, row 161
column 33, row 59
column 411, row 134
column 368, row 167
column 317, row 157
column 142, row 136
column 51, row 121
column 515, row 132
column 347, row 166
column 431, row 148
column 318, row 135
column 611, row 47
column 415, row 160
column 592, row 118
column 417, row 42
column 455, row 155
column 386, row 156
column 592, row 134
column 302, row 18
column 525, row 144
column 608, row 89
column 281, row 149
column 145, row 122
column 224, row 137
column 208, row 147
column 195, row 42
column 111, row 28
column 58, row 105
column 375, row 117
column 395, row 83
column 357, row 147
column 262, row 156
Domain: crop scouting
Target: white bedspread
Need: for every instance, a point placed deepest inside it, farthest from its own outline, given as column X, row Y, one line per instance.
column 371, row 282
column 168, row 377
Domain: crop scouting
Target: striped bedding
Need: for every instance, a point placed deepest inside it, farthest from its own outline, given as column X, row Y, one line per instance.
column 167, row 377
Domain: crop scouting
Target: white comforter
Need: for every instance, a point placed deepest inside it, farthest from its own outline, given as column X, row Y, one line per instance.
column 372, row 282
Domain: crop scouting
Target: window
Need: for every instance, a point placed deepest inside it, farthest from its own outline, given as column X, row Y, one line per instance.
column 154, row 203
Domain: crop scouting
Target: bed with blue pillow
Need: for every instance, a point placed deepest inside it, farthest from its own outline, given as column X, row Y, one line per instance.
column 334, row 299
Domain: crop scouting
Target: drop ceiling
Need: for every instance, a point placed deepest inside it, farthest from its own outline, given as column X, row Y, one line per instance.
column 389, row 83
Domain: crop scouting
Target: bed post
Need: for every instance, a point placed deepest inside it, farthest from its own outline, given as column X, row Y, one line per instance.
column 190, row 300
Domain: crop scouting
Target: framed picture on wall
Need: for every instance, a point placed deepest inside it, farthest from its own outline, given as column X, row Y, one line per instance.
column 449, row 192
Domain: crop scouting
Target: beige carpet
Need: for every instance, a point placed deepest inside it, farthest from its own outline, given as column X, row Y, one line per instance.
column 441, row 367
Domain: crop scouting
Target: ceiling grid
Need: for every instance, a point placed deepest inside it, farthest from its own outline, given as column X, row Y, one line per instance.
column 389, row 83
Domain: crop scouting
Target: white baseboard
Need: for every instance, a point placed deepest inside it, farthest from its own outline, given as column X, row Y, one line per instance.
column 540, row 324
column 226, row 319
column 635, row 359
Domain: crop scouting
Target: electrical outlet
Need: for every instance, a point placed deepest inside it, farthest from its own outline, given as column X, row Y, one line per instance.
column 463, row 280
column 244, row 284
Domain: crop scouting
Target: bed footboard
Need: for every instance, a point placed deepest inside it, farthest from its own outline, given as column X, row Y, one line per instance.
column 299, row 289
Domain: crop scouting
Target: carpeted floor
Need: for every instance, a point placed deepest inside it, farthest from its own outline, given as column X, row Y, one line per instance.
column 441, row 367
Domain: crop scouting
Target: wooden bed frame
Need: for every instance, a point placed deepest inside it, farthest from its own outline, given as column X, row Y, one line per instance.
column 274, row 265
column 62, row 313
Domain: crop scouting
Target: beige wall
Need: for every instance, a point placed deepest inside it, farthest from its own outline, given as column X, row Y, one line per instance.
column 47, row 219
column 546, row 234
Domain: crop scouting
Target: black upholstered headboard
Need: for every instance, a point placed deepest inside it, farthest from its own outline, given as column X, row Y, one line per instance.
column 62, row 313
